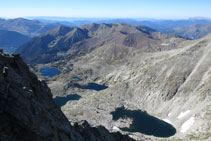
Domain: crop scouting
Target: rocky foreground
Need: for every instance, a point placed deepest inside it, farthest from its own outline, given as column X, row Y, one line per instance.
column 28, row 112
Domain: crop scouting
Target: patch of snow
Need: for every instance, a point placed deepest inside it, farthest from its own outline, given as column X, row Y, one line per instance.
column 131, row 136
column 187, row 125
column 117, row 76
column 115, row 128
column 167, row 120
column 164, row 44
column 125, row 77
column 183, row 114
column 169, row 114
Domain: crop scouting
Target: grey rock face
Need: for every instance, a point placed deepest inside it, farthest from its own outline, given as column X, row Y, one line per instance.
column 27, row 111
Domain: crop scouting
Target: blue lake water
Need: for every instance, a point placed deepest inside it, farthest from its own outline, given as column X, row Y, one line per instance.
column 61, row 101
column 94, row 86
column 77, row 78
column 144, row 123
column 50, row 72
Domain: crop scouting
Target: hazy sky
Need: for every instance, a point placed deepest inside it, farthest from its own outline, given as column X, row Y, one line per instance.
column 107, row 8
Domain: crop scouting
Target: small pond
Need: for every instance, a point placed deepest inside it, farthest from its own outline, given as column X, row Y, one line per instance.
column 144, row 123
column 61, row 101
column 77, row 78
column 94, row 86
column 50, row 72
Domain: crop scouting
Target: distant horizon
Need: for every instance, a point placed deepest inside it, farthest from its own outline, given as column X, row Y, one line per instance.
column 81, row 17
column 102, row 18
column 153, row 9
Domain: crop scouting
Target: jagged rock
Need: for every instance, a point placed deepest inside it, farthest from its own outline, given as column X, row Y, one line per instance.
column 98, row 133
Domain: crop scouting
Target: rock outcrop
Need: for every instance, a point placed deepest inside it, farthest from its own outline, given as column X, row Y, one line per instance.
column 28, row 112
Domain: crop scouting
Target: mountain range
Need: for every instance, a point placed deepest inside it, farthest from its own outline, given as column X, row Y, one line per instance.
column 194, row 31
column 193, row 28
column 26, row 27
column 166, row 26
column 66, row 41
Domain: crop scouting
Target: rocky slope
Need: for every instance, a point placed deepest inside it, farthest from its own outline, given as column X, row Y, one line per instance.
column 173, row 85
column 64, row 42
column 28, row 112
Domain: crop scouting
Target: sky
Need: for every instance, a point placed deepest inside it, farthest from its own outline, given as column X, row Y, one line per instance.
column 159, row 9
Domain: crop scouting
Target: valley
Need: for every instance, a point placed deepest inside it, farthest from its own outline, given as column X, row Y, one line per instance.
column 159, row 83
column 141, row 68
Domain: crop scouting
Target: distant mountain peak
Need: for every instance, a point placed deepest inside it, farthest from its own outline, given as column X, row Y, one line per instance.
column 77, row 34
column 20, row 19
column 60, row 31
column 199, row 18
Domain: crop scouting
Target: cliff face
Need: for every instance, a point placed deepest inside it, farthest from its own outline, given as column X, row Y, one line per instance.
column 27, row 111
